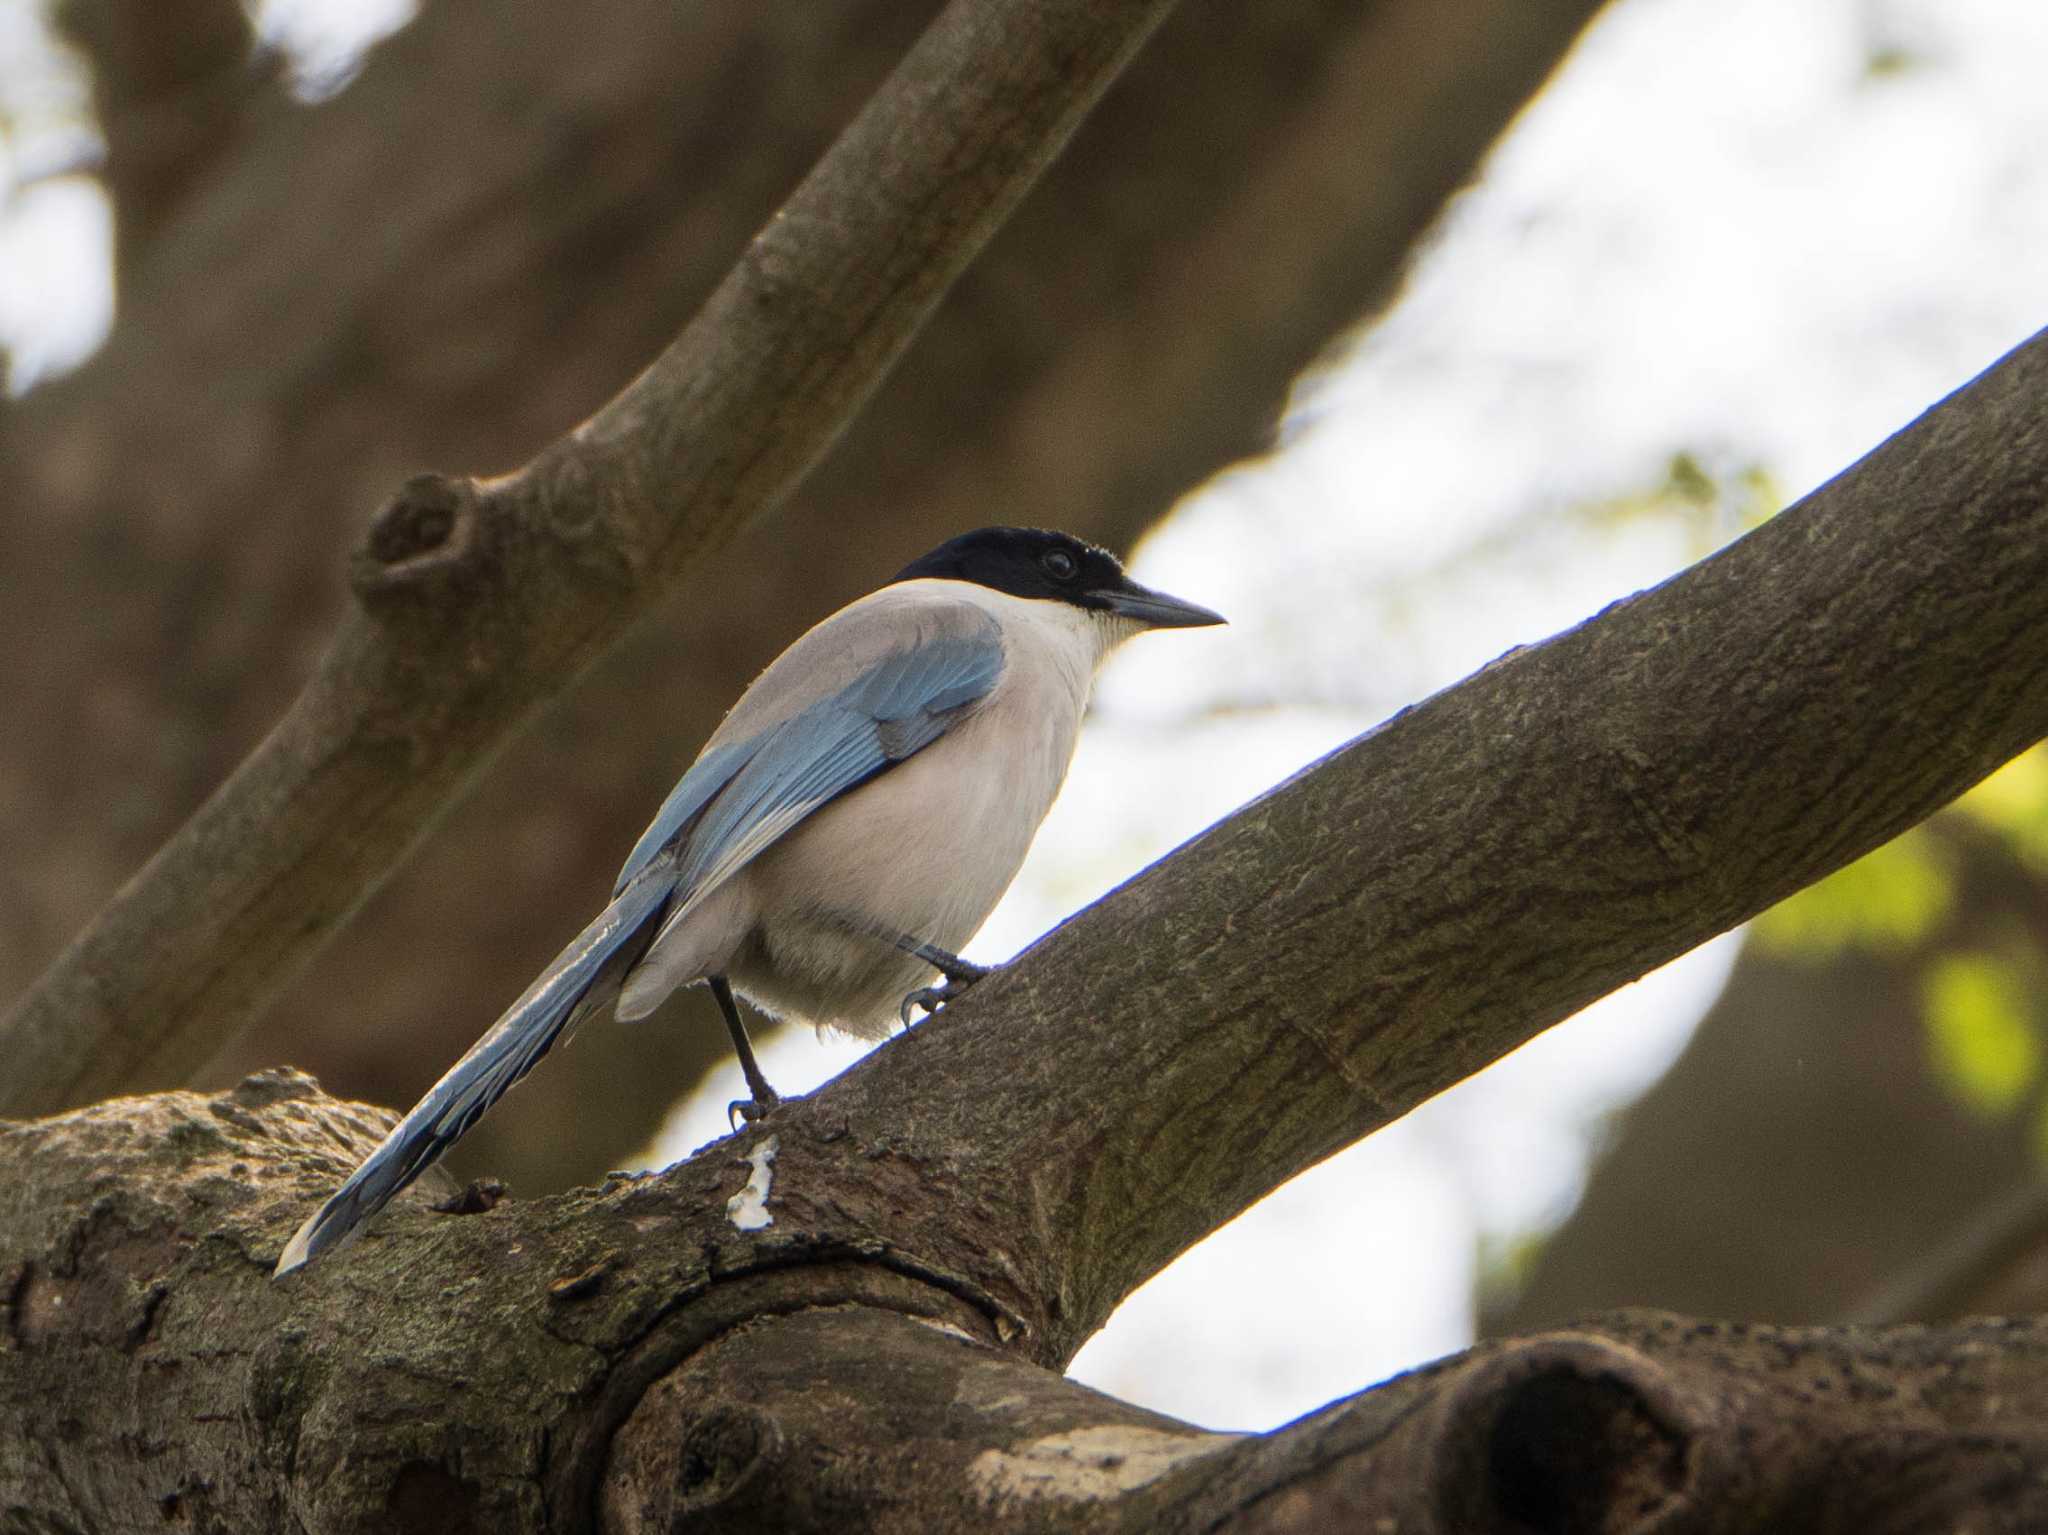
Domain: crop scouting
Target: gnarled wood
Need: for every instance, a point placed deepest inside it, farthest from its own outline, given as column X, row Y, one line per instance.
column 625, row 1360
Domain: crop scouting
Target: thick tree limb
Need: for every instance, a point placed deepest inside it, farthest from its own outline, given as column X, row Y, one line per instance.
column 550, row 192
column 633, row 1366
column 482, row 597
column 1636, row 1422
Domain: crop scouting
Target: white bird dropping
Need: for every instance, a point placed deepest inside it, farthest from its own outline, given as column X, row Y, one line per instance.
column 748, row 1209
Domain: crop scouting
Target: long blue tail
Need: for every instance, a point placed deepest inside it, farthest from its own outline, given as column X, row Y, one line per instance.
column 583, row 978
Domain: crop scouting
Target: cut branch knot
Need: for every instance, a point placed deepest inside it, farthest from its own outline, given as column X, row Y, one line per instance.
column 1565, row 1432
column 422, row 534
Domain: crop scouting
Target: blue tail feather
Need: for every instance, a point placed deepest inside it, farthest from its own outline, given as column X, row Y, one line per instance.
column 584, row 977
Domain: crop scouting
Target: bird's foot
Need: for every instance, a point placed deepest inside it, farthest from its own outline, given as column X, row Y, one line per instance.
column 932, row 998
column 746, row 1111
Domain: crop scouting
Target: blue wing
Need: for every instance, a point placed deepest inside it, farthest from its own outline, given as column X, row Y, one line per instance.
column 693, row 791
column 743, row 795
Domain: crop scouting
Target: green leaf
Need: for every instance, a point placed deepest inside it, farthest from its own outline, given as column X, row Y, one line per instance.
column 1980, row 1031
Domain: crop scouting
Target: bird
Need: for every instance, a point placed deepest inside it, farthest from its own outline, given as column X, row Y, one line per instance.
column 845, row 830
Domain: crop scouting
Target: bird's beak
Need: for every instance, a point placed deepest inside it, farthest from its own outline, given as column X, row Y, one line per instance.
column 1156, row 610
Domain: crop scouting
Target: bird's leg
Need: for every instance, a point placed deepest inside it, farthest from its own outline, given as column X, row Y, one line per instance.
column 959, row 975
column 765, row 1097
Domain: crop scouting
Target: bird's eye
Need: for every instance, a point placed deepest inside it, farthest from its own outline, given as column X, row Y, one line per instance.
column 1059, row 564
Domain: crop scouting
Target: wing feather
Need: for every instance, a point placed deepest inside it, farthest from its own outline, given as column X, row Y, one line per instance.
column 894, row 708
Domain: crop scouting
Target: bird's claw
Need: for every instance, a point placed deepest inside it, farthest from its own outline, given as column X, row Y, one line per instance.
column 747, row 1111
column 930, row 998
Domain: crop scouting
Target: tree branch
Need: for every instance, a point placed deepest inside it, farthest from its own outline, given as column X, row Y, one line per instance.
column 1995, row 1255
column 631, row 1365
column 480, row 598
column 1637, row 1422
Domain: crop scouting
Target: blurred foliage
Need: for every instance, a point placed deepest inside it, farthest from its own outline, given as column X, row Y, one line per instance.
column 1708, row 498
column 2013, row 803
column 1505, row 1261
column 1893, row 900
column 1981, row 1038
column 1714, row 502
column 1986, row 1039
column 1887, row 902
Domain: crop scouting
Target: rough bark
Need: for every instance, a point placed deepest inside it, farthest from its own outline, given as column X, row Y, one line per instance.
column 1635, row 1422
column 1435, row 893
column 479, row 598
column 466, row 252
column 631, row 1363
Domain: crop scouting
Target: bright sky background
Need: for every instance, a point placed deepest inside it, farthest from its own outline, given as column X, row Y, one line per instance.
column 1763, row 235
